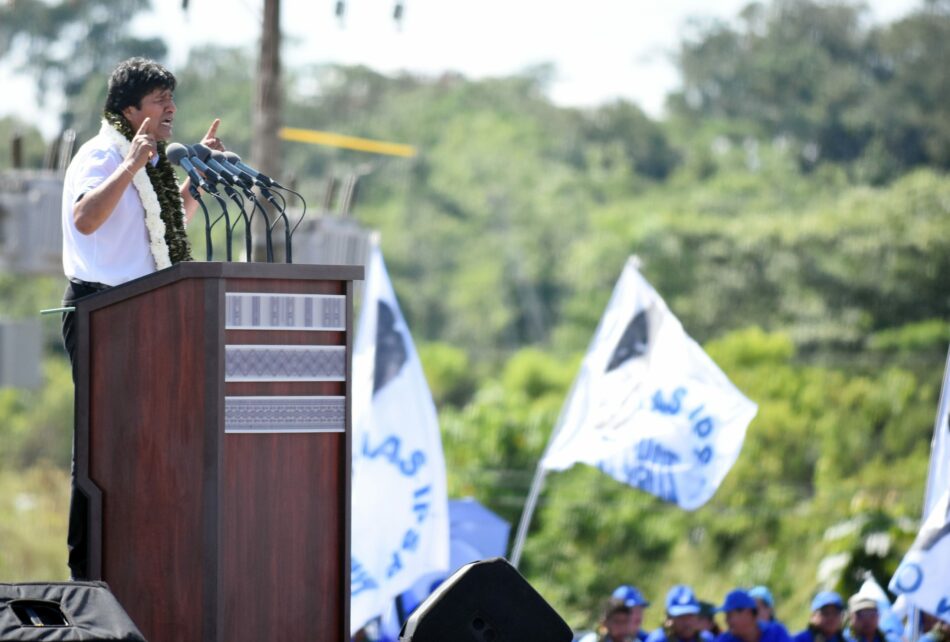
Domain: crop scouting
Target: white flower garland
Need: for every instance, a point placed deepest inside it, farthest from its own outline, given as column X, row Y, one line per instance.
column 153, row 209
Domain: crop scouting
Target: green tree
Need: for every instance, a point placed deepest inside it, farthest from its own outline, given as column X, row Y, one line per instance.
column 449, row 373
column 908, row 107
column 642, row 143
column 794, row 67
column 818, row 73
column 67, row 44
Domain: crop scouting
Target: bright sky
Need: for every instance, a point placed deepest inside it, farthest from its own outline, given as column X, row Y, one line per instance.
column 602, row 49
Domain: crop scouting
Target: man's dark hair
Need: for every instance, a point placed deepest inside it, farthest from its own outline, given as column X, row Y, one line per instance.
column 134, row 79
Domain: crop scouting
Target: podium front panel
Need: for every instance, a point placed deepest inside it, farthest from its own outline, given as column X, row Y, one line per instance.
column 285, row 447
column 219, row 490
column 147, row 442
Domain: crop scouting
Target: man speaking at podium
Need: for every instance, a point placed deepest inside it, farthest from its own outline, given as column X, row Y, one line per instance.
column 123, row 213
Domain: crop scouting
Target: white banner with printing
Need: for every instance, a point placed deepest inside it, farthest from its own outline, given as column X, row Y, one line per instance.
column 923, row 577
column 938, row 475
column 400, row 525
column 649, row 407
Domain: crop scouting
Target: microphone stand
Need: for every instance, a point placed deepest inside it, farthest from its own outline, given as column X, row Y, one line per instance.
column 245, row 179
column 196, row 194
column 229, row 181
column 247, row 224
column 245, row 185
column 267, row 224
column 299, row 220
column 288, row 250
column 213, row 177
column 227, row 220
column 236, row 198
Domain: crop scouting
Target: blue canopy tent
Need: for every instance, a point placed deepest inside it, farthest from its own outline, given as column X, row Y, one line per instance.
column 475, row 533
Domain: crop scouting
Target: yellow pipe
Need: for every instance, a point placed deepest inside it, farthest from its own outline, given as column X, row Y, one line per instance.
column 314, row 137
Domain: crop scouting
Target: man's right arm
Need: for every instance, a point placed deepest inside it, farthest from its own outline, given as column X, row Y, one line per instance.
column 95, row 206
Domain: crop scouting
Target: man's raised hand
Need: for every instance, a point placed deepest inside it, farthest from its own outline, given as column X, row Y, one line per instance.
column 211, row 138
column 143, row 146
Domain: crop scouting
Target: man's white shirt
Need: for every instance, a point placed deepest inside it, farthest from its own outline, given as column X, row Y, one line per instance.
column 119, row 250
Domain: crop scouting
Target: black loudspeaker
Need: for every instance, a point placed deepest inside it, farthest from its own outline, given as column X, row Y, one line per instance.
column 63, row 612
column 485, row 601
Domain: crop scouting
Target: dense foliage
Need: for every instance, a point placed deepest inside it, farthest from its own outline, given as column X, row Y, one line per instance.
column 817, row 73
column 72, row 46
column 794, row 211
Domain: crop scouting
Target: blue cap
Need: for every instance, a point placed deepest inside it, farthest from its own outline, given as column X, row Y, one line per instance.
column 629, row 595
column 681, row 601
column 736, row 600
column 826, row 598
column 762, row 593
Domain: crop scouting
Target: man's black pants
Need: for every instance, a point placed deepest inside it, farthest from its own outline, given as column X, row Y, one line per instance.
column 77, row 538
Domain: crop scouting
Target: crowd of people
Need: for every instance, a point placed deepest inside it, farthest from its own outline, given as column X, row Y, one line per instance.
column 749, row 616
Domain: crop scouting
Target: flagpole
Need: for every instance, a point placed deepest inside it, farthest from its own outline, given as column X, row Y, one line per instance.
column 538, row 482
column 526, row 514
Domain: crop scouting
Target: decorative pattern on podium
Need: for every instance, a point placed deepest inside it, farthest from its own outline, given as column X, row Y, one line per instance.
column 284, row 414
column 285, row 311
column 283, row 364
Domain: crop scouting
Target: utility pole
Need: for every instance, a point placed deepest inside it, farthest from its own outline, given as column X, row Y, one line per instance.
column 265, row 143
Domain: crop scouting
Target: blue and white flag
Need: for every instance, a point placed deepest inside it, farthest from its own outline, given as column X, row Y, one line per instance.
column 923, row 577
column 400, row 517
column 649, row 407
column 938, row 475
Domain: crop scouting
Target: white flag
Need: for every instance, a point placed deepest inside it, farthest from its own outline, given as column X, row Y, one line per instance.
column 649, row 407
column 923, row 577
column 400, row 525
column 938, row 477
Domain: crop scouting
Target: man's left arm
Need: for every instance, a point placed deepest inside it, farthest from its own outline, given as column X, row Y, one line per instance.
column 189, row 202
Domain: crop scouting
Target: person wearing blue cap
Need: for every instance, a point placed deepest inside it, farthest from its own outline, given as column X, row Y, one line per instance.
column 622, row 617
column 707, row 619
column 682, row 618
column 632, row 597
column 765, row 605
column 743, row 623
column 827, row 619
column 764, row 601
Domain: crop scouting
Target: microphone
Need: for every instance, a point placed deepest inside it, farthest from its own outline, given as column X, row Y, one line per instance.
column 204, row 153
column 231, row 178
column 243, row 178
column 213, row 177
column 209, row 173
column 178, row 154
column 261, row 179
column 250, row 177
column 232, row 161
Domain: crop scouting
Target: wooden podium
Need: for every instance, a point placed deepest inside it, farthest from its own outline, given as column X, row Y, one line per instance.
column 213, row 442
